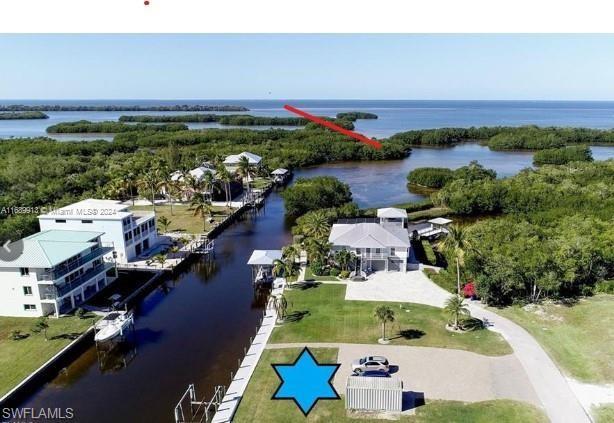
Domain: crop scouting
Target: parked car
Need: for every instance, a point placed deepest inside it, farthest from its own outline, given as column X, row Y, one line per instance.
column 371, row 364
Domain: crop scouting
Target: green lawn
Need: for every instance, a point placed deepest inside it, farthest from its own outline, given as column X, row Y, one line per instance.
column 580, row 338
column 321, row 314
column 257, row 406
column 183, row 219
column 20, row 358
column 604, row 414
column 260, row 183
column 309, row 276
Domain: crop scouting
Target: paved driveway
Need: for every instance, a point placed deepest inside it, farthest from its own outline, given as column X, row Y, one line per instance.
column 412, row 286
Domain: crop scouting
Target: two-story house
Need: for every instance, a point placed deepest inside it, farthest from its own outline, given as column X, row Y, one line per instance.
column 56, row 272
column 382, row 244
column 131, row 233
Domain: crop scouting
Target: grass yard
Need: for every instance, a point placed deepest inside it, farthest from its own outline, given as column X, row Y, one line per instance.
column 579, row 337
column 183, row 219
column 260, row 183
column 20, row 358
column 429, row 252
column 257, row 406
column 309, row 276
column 321, row 314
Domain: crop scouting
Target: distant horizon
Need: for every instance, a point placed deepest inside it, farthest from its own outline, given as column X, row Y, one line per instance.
column 308, row 99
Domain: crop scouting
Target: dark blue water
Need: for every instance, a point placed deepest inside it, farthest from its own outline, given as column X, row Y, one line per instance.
column 394, row 116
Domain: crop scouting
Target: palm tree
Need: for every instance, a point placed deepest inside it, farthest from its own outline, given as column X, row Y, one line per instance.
column 291, row 252
column 150, row 180
column 191, row 186
column 129, row 181
column 115, row 189
column 281, row 268
column 173, row 192
column 201, row 206
column 174, row 250
column 244, row 169
column 317, row 249
column 224, row 175
column 281, row 306
column 160, row 259
column 455, row 307
column 384, row 314
column 41, row 325
column 456, row 243
column 344, row 258
column 165, row 222
column 316, row 225
column 208, row 184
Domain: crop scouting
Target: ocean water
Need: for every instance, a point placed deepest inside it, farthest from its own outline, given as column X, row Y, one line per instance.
column 394, row 115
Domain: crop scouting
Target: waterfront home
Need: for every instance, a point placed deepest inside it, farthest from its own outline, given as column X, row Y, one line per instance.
column 378, row 245
column 57, row 271
column 232, row 162
column 131, row 233
column 198, row 174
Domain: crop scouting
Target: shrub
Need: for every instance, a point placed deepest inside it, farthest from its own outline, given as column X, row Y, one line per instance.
column 432, row 177
column 344, row 274
column 559, row 156
column 315, row 193
column 605, row 287
column 80, row 313
column 334, row 272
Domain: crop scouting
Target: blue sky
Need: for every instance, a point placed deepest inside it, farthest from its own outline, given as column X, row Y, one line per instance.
column 489, row 67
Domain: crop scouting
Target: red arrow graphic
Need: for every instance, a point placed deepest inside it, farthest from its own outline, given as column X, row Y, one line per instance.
column 334, row 127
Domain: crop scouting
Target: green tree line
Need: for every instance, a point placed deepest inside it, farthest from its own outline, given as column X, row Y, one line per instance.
column 110, row 127
column 22, row 115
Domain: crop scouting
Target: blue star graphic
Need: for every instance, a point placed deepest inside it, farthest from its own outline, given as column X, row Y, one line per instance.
column 306, row 381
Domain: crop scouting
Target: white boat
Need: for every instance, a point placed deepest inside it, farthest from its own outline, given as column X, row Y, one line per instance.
column 112, row 325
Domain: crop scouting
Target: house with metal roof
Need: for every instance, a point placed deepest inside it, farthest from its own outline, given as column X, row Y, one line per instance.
column 377, row 246
column 232, row 162
column 53, row 273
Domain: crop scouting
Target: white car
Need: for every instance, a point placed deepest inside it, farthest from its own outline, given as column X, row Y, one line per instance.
column 375, row 363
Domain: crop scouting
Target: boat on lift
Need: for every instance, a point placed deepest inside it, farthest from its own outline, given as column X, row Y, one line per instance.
column 113, row 325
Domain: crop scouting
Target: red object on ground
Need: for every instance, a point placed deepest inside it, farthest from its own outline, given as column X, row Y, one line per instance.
column 334, row 127
column 469, row 290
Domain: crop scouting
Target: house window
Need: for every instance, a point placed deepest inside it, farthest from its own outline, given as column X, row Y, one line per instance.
column 377, row 251
column 60, row 220
column 392, row 251
column 24, row 271
column 368, row 251
column 27, row 290
column 87, row 221
column 358, row 251
column 29, row 307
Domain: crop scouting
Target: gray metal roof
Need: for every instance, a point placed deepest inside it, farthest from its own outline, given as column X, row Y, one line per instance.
column 368, row 235
column 49, row 248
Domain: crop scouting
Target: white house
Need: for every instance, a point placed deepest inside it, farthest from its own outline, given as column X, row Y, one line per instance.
column 377, row 246
column 232, row 162
column 197, row 173
column 57, row 271
column 131, row 233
